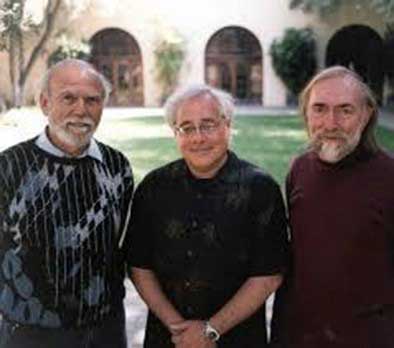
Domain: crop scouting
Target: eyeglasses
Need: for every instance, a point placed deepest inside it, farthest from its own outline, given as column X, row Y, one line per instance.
column 205, row 128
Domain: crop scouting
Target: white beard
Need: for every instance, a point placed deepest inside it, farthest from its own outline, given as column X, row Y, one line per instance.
column 333, row 151
column 70, row 139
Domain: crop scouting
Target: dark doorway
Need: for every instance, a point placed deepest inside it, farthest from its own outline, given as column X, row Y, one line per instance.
column 360, row 48
column 117, row 55
column 233, row 62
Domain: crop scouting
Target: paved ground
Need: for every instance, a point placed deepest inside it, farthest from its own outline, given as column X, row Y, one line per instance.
column 13, row 130
column 135, row 317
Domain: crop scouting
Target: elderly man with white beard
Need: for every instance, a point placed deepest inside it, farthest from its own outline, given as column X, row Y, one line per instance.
column 64, row 201
column 340, row 197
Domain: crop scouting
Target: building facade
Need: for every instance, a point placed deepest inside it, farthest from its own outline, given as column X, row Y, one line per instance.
column 226, row 43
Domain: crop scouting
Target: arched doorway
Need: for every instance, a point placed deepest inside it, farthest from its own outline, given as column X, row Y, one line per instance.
column 233, row 62
column 360, row 48
column 117, row 55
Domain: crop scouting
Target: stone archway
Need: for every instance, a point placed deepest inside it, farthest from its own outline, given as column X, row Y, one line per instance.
column 360, row 48
column 233, row 62
column 117, row 55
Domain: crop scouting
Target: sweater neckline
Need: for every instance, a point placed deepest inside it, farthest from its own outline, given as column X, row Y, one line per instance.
column 360, row 154
column 58, row 159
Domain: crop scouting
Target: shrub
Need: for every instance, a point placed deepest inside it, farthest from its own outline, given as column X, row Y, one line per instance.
column 294, row 58
column 169, row 58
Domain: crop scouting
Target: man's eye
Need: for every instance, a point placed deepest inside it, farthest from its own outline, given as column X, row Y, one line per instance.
column 93, row 100
column 188, row 129
column 318, row 109
column 347, row 111
column 69, row 98
column 207, row 127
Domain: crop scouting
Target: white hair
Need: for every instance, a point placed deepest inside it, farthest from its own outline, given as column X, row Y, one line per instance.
column 224, row 100
column 44, row 86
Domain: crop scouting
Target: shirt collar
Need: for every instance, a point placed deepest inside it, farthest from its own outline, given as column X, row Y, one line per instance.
column 45, row 144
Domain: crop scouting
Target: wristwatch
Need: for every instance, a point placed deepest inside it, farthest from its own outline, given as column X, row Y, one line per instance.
column 210, row 332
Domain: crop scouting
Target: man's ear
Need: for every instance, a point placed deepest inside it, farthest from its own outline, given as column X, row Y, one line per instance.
column 44, row 103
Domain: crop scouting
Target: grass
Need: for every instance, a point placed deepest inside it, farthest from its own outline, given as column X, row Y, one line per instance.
column 270, row 142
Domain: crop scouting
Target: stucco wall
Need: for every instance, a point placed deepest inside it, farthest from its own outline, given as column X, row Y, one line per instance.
column 196, row 22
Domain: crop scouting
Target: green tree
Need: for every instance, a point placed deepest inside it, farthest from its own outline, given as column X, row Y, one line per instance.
column 169, row 56
column 24, row 33
column 294, row 58
column 385, row 8
column 69, row 47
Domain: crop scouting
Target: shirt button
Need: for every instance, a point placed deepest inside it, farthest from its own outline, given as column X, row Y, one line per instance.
column 187, row 284
column 194, row 224
column 189, row 254
column 199, row 195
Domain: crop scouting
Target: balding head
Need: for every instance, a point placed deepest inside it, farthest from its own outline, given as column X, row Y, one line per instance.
column 76, row 65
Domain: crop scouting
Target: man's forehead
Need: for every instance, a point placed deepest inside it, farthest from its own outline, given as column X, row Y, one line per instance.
column 340, row 89
column 74, row 75
column 205, row 103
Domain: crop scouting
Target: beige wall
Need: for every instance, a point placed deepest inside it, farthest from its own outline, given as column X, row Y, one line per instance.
column 196, row 22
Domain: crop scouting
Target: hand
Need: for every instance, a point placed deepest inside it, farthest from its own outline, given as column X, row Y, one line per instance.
column 190, row 334
column 177, row 328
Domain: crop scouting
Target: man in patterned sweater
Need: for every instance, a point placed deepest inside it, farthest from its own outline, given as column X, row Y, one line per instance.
column 63, row 204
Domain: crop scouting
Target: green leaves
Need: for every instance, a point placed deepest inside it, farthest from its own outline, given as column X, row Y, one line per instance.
column 319, row 6
column 169, row 57
column 294, row 58
column 69, row 47
column 384, row 8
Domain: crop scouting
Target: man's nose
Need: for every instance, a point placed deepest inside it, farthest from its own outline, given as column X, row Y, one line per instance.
column 332, row 120
column 198, row 135
column 80, row 107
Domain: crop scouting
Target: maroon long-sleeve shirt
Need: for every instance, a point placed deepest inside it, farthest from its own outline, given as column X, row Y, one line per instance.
column 342, row 225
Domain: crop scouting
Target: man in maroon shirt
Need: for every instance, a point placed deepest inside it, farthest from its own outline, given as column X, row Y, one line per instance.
column 341, row 208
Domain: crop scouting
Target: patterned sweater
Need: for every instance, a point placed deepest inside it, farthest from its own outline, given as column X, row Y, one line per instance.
column 61, row 225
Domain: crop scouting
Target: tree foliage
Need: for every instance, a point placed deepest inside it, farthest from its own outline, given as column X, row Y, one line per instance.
column 26, row 26
column 169, row 55
column 294, row 58
column 384, row 8
column 69, row 47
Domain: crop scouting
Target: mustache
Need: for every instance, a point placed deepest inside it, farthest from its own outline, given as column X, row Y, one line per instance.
column 338, row 134
column 84, row 120
column 317, row 140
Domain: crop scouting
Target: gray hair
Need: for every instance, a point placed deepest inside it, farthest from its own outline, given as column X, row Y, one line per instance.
column 44, row 87
column 368, row 138
column 224, row 101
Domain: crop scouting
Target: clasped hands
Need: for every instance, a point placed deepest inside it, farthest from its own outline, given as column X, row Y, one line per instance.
column 190, row 334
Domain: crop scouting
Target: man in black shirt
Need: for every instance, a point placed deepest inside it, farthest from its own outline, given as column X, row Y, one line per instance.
column 208, row 234
column 64, row 199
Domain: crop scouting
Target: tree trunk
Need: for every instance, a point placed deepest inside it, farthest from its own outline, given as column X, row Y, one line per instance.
column 17, row 95
column 11, row 66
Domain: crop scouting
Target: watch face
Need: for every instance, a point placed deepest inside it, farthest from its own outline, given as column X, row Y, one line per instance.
column 211, row 335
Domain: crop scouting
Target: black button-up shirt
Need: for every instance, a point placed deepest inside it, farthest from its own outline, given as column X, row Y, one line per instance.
column 204, row 237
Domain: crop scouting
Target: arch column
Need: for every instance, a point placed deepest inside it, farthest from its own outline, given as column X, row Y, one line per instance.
column 274, row 90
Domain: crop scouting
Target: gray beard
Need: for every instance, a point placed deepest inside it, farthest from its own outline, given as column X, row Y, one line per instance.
column 331, row 152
